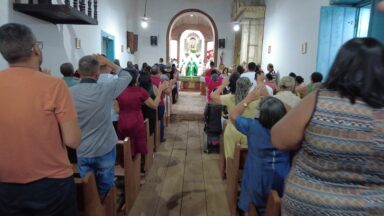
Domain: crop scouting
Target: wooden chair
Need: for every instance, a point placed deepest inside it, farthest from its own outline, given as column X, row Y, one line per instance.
column 150, row 147
column 234, row 173
column 157, row 132
column 88, row 198
column 273, row 204
column 221, row 153
column 128, row 168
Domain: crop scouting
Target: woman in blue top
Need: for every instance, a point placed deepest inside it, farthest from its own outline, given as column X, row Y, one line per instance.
column 266, row 167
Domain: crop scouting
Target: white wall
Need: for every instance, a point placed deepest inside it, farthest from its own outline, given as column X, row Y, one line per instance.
column 59, row 40
column 161, row 12
column 288, row 25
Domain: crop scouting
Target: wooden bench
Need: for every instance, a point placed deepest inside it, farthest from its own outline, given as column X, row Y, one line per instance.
column 128, row 168
column 88, row 199
column 221, row 153
column 273, row 207
column 234, row 172
column 157, row 132
column 150, row 147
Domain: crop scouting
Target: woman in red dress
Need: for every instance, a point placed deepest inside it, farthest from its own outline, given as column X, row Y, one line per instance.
column 131, row 120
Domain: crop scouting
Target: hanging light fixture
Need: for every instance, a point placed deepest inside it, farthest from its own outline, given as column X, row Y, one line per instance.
column 145, row 19
column 236, row 26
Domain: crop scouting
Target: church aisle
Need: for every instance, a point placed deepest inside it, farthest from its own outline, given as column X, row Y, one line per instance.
column 183, row 180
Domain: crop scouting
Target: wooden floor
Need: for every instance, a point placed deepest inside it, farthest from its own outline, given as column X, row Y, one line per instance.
column 183, row 180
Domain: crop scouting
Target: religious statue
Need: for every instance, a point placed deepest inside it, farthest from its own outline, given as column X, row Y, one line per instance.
column 191, row 68
column 192, row 44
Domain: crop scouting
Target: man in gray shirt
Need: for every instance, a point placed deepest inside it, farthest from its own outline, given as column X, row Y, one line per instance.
column 97, row 152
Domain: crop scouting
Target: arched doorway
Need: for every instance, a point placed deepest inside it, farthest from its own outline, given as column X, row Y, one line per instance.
column 201, row 30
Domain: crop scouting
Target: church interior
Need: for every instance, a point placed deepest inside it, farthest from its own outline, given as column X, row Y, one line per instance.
column 192, row 107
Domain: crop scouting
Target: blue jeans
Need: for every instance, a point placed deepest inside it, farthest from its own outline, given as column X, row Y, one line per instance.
column 161, row 110
column 103, row 167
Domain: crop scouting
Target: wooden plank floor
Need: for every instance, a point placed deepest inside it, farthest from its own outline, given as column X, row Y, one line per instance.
column 183, row 180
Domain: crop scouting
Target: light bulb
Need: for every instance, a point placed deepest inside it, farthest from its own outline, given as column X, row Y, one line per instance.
column 236, row 27
column 144, row 24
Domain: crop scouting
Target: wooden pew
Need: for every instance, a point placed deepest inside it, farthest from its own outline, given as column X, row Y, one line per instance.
column 273, row 207
column 273, row 204
column 88, row 199
column 234, row 173
column 221, row 153
column 150, row 147
column 157, row 132
column 128, row 168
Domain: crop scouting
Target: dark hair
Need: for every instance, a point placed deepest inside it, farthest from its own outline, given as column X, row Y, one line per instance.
column 271, row 111
column 145, row 80
column 116, row 62
column 232, row 82
column 155, row 70
column 357, row 71
column 316, row 77
column 67, row 70
column 16, row 42
column 299, row 79
column 240, row 69
column 134, row 75
column 144, row 66
column 226, row 69
column 136, row 66
column 212, row 64
column 269, row 76
column 270, row 66
column 292, row 75
column 252, row 66
column 161, row 60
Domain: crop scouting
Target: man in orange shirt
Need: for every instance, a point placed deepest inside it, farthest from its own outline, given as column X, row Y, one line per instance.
column 37, row 121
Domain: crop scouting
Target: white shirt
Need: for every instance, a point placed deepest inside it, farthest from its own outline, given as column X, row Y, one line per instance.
column 251, row 75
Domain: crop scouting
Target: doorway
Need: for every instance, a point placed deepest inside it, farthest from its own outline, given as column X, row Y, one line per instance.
column 108, row 45
column 338, row 24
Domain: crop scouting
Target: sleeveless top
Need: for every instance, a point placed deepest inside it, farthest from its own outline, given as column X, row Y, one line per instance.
column 340, row 168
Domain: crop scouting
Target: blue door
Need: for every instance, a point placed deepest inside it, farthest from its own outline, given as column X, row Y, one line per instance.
column 108, row 45
column 337, row 25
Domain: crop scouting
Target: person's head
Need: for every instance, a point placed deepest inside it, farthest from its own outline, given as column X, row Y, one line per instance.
column 67, row 70
column 260, row 76
column 144, row 66
column 226, row 70
column 269, row 77
column 116, row 62
column 129, row 65
column 214, row 75
column 240, row 69
column 161, row 60
column 145, row 80
column 168, row 67
column 134, row 75
column 212, row 64
column 252, row 66
column 89, row 67
column 316, row 77
column 271, row 111
column 136, row 66
column 293, row 75
column 18, row 45
column 357, row 71
column 155, row 70
column 270, row 67
column 232, row 82
column 299, row 80
column 243, row 85
column 286, row 83
column 148, row 69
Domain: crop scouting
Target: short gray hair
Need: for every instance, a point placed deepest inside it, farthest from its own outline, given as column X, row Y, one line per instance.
column 16, row 42
column 243, row 84
column 88, row 65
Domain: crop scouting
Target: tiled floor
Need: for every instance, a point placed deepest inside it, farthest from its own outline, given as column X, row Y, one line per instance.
column 183, row 180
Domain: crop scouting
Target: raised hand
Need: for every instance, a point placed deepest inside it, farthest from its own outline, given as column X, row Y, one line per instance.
column 163, row 86
column 102, row 60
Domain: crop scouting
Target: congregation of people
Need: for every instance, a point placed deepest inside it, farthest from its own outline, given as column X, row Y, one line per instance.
column 319, row 145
